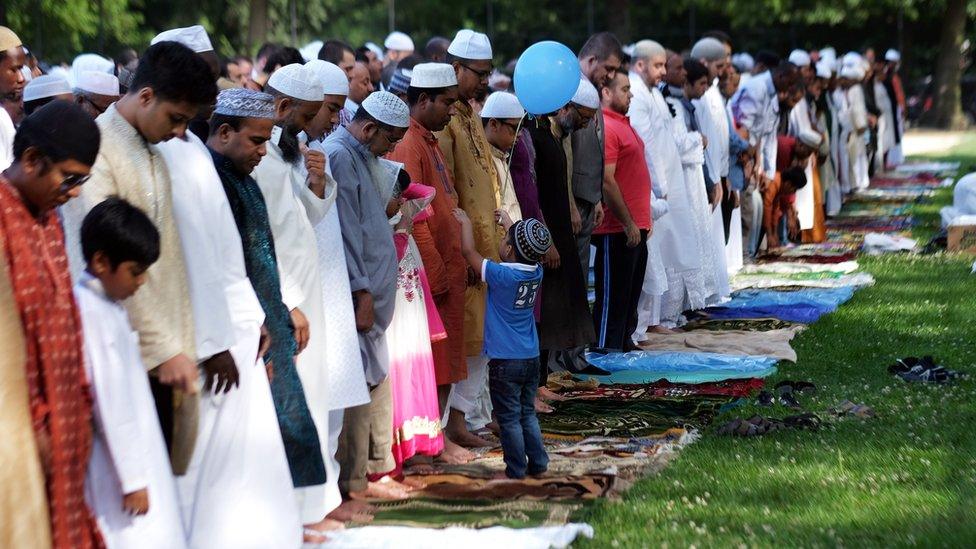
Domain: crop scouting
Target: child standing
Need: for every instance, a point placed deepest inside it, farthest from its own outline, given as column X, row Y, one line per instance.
column 130, row 485
column 510, row 337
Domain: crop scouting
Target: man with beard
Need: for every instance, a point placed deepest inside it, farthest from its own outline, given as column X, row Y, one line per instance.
column 467, row 157
column 12, row 82
column 365, row 188
column 298, row 195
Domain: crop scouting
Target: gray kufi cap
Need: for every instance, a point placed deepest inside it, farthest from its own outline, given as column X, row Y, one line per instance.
column 709, row 49
column 245, row 103
column 388, row 109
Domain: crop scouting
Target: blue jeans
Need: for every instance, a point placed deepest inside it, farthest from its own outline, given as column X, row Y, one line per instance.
column 512, row 384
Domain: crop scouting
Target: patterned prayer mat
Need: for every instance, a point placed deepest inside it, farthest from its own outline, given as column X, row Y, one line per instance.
column 658, row 389
column 578, row 419
column 471, row 514
column 750, row 324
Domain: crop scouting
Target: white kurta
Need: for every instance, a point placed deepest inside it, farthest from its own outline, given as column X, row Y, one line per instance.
column 841, row 122
column 711, row 128
column 128, row 452
column 293, row 213
column 7, row 132
column 857, row 147
column 886, row 122
column 718, row 132
column 237, row 490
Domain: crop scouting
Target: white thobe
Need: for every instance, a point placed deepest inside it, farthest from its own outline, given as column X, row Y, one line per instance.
column 128, row 451
column 717, row 133
column 293, row 212
column 842, row 128
column 7, row 132
column 756, row 108
column 886, row 122
column 710, row 128
column 237, row 490
column 857, row 147
column 800, row 120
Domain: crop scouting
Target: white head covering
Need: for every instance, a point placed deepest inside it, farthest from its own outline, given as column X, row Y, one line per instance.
column 502, row 105
column 45, row 86
column 893, row 56
column 433, row 75
column 375, row 49
column 311, row 50
column 398, row 41
column 709, row 49
column 294, row 81
column 810, row 137
column 194, row 37
column 800, row 58
column 98, row 82
column 852, row 72
column 743, row 62
column 89, row 62
column 333, row 79
column 387, row 108
column 829, row 55
column 824, row 69
column 646, row 49
column 468, row 44
column 586, row 95
column 851, row 59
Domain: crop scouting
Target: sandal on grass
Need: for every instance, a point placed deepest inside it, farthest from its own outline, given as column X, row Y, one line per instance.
column 803, row 421
column 848, row 408
column 800, row 387
column 786, row 396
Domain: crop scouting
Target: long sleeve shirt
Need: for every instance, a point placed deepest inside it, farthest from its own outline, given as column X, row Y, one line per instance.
column 755, row 107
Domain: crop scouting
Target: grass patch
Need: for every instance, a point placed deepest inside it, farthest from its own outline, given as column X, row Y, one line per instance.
column 907, row 477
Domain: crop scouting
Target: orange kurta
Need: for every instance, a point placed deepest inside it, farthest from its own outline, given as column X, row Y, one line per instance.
column 60, row 402
column 819, row 231
column 439, row 240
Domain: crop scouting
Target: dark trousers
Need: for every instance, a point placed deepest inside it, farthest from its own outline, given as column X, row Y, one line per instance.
column 728, row 203
column 619, row 271
column 512, row 384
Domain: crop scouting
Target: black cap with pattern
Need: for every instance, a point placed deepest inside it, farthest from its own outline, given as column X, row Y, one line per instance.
column 532, row 239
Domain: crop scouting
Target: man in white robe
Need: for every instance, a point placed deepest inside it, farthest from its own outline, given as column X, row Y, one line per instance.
column 12, row 59
column 853, row 75
column 237, row 490
column 347, row 377
column 298, row 195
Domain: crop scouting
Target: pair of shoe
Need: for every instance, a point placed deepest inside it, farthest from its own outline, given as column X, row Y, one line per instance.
column 922, row 370
column 786, row 392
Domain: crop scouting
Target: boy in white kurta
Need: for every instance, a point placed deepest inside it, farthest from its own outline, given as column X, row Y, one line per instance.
column 130, row 485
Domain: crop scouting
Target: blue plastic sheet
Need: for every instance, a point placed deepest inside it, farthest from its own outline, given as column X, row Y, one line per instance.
column 805, row 306
column 678, row 367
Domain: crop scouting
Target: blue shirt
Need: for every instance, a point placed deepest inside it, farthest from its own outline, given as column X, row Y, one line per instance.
column 509, row 322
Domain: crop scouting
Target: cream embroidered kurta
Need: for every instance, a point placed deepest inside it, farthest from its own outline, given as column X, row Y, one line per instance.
column 467, row 154
column 505, row 191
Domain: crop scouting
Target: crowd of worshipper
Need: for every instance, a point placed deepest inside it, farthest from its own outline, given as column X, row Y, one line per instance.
column 241, row 298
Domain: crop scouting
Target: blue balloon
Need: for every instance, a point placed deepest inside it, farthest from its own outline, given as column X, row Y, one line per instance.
column 546, row 77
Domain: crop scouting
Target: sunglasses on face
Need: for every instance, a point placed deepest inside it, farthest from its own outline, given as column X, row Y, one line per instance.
column 72, row 181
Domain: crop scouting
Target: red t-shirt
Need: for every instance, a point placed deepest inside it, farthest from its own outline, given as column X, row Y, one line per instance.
column 625, row 148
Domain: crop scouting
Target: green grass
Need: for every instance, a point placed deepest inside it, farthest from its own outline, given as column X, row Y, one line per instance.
column 907, row 477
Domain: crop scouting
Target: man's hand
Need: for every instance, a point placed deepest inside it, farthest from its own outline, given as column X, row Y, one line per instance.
column 269, row 369
column 44, row 448
column 598, row 214
column 704, row 141
column 300, row 323
column 136, row 503
column 473, row 278
column 633, row 235
column 264, row 343
column 315, row 164
column 574, row 217
column 716, row 196
column 180, row 372
column 364, row 310
column 221, row 368
column 735, row 199
column 503, row 219
column 405, row 224
column 551, row 260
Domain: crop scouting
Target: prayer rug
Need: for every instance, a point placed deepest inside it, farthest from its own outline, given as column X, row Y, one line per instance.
column 583, row 418
column 749, row 324
column 471, row 513
column 664, row 364
column 699, row 376
column 453, row 486
column 792, row 267
column 417, row 537
column 772, row 343
column 777, row 283
column 662, row 388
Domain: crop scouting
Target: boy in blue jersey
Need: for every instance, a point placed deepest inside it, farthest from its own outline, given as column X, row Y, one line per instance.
column 510, row 337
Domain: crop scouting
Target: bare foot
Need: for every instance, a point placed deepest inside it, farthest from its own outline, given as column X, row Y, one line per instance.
column 313, row 536
column 387, row 488
column 454, row 454
column 493, row 427
column 662, row 330
column 353, row 511
column 547, row 394
column 467, row 439
column 542, row 408
column 326, row 525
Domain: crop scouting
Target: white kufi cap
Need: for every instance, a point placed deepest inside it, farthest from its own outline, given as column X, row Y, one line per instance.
column 800, row 58
column 388, row 109
column 709, row 49
column 398, row 41
column 586, row 95
column 892, row 55
column 333, row 79
column 311, row 50
column 194, row 37
column 433, row 75
column 810, row 137
column 852, row 72
column 98, row 82
column 502, row 105
column 375, row 49
column 824, row 69
column 743, row 62
column 294, row 81
column 468, row 44
column 90, row 62
column 45, row 86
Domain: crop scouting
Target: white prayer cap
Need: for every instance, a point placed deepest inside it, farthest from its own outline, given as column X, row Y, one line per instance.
column 629, row 50
column 646, row 49
column 851, row 59
column 828, row 53
column 502, row 105
column 586, row 95
column 388, row 109
column 90, row 62
column 398, row 41
column 333, row 79
column 852, row 72
column 45, row 86
column 433, row 75
column 98, row 82
column 471, row 45
column 709, row 49
column 743, row 62
column 311, row 50
column 294, row 81
column 194, row 37
column 824, row 69
column 375, row 49
column 245, row 103
column 892, row 55
column 800, row 58
column 810, row 138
